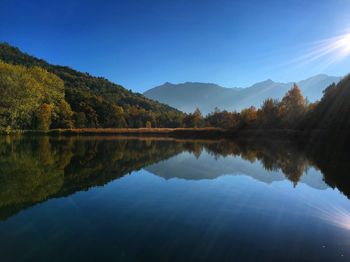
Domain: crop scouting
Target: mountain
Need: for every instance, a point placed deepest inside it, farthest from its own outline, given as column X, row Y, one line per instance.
column 96, row 101
column 189, row 96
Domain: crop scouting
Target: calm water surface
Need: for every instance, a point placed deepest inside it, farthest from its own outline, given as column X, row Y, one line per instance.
column 114, row 199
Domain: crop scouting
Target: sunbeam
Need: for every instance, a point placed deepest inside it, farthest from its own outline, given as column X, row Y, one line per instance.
column 332, row 49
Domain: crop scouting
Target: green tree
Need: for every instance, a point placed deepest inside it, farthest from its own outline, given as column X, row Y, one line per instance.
column 43, row 117
column 64, row 116
column 80, row 119
column 91, row 115
column 25, row 94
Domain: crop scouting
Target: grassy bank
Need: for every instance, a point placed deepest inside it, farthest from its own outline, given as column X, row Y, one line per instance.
column 177, row 132
column 187, row 133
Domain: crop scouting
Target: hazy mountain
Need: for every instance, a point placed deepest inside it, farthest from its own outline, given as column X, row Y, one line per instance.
column 188, row 96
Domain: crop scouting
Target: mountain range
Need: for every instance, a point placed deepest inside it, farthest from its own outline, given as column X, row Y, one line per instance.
column 206, row 96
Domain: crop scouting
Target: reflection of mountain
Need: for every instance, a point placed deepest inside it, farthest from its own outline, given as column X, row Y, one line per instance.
column 206, row 166
column 33, row 170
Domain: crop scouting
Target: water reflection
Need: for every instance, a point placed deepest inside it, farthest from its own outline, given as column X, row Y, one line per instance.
column 190, row 167
column 150, row 199
column 37, row 168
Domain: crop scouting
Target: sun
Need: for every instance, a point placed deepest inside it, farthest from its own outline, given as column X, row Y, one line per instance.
column 347, row 42
column 329, row 51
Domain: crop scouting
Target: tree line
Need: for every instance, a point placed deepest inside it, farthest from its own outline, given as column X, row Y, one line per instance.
column 293, row 112
column 273, row 114
column 39, row 96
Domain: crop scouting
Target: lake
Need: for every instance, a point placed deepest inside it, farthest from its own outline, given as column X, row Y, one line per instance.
column 162, row 199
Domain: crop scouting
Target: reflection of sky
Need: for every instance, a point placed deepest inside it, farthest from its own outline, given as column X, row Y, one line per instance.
column 144, row 216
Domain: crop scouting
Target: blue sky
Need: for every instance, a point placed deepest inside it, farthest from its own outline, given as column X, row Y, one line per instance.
column 144, row 43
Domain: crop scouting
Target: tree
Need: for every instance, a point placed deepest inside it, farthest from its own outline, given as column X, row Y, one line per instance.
column 292, row 107
column 26, row 93
column 248, row 116
column 197, row 118
column 222, row 119
column 63, row 116
column 268, row 114
column 80, row 119
column 91, row 115
column 194, row 120
column 43, row 117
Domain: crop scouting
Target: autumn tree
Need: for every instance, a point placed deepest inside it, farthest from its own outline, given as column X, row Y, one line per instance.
column 292, row 107
column 248, row 117
column 197, row 118
column 268, row 113
column 194, row 120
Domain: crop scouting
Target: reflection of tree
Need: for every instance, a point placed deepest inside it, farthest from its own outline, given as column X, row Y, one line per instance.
column 274, row 156
column 30, row 171
column 332, row 159
column 294, row 159
column 35, row 169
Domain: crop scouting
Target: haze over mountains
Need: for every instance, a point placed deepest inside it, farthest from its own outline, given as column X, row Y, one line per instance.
column 206, row 96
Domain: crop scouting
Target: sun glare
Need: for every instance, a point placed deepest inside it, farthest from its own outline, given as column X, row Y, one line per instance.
column 340, row 45
column 328, row 51
column 346, row 43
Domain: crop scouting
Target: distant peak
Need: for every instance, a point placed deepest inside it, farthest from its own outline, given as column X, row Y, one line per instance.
column 268, row 81
column 318, row 76
column 265, row 82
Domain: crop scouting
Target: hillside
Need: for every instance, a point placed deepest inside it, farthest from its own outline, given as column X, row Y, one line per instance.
column 97, row 102
column 189, row 96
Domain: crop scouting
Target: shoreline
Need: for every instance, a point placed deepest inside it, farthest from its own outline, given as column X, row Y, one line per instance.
column 192, row 133
column 141, row 132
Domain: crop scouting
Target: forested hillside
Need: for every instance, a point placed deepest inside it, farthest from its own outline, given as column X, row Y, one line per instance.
column 90, row 101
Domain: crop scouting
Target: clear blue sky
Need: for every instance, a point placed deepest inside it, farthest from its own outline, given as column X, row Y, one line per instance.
column 143, row 43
